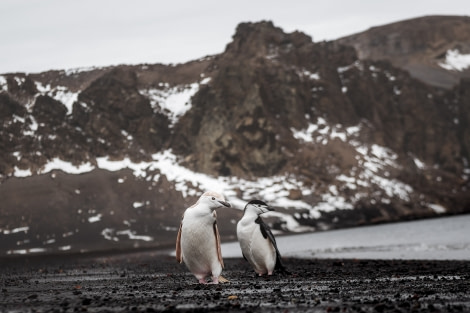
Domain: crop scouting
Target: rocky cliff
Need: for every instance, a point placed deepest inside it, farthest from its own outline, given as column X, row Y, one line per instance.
column 333, row 134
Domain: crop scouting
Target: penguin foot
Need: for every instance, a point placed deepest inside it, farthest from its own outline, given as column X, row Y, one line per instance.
column 264, row 273
column 202, row 281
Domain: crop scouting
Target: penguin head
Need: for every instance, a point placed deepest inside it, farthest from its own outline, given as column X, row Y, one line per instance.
column 213, row 200
column 258, row 207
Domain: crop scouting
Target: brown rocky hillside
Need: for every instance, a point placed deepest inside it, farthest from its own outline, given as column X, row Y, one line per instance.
column 333, row 134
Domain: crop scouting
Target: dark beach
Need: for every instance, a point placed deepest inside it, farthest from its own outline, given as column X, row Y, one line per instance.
column 155, row 282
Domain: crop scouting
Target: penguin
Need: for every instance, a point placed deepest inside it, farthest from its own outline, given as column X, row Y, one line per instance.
column 198, row 240
column 256, row 240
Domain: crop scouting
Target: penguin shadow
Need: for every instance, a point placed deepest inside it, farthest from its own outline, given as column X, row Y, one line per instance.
column 283, row 273
column 198, row 286
column 273, row 277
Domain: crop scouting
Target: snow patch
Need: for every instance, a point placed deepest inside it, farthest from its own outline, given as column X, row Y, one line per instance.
column 175, row 101
column 205, row 81
column 133, row 236
column 48, row 242
column 439, row 209
column 68, row 98
column 94, row 219
column 31, row 131
column 3, row 83
column 67, row 234
column 73, row 71
column 137, row 205
column 26, row 251
column 455, row 61
column 108, row 234
column 321, row 132
column 16, row 230
column 308, row 74
column 419, row 164
column 111, row 234
column 289, row 222
column 59, row 93
column 21, row 173
column 58, row 164
column 356, row 64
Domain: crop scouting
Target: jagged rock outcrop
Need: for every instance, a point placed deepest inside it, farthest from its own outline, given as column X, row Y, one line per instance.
column 112, row 109
column 261, row 85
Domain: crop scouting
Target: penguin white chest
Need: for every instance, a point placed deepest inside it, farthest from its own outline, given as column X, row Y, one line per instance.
column 257, row 249
column 198, row 240
column 198, row 244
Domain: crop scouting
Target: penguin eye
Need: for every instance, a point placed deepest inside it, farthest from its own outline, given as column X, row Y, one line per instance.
column 213, row 198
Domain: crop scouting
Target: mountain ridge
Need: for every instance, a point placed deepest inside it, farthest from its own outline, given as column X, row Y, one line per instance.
column 417, row 45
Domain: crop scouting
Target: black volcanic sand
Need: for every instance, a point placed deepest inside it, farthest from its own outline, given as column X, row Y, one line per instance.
column 152, row 282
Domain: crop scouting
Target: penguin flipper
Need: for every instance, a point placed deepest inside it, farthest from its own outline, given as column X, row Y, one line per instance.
column 217, row 244
column 266, row 232
column 279, row 266
column 179, row 256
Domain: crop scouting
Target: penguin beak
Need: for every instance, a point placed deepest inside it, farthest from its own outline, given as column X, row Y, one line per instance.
column 266, row 209
column 226, row 204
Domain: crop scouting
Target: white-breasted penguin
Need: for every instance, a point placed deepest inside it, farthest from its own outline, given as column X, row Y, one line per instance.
column 256, row 240
column 198, row 240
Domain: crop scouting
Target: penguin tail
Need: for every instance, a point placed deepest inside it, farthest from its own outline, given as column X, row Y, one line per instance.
column 281, row 268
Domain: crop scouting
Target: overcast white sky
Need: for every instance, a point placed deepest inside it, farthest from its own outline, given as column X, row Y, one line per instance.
column 39, row 35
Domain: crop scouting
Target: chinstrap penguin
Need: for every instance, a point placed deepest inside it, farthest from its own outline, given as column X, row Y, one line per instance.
column 198, row 240
column 256, row 240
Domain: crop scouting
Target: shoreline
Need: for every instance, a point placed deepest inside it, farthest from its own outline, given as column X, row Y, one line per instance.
column 446, row 237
